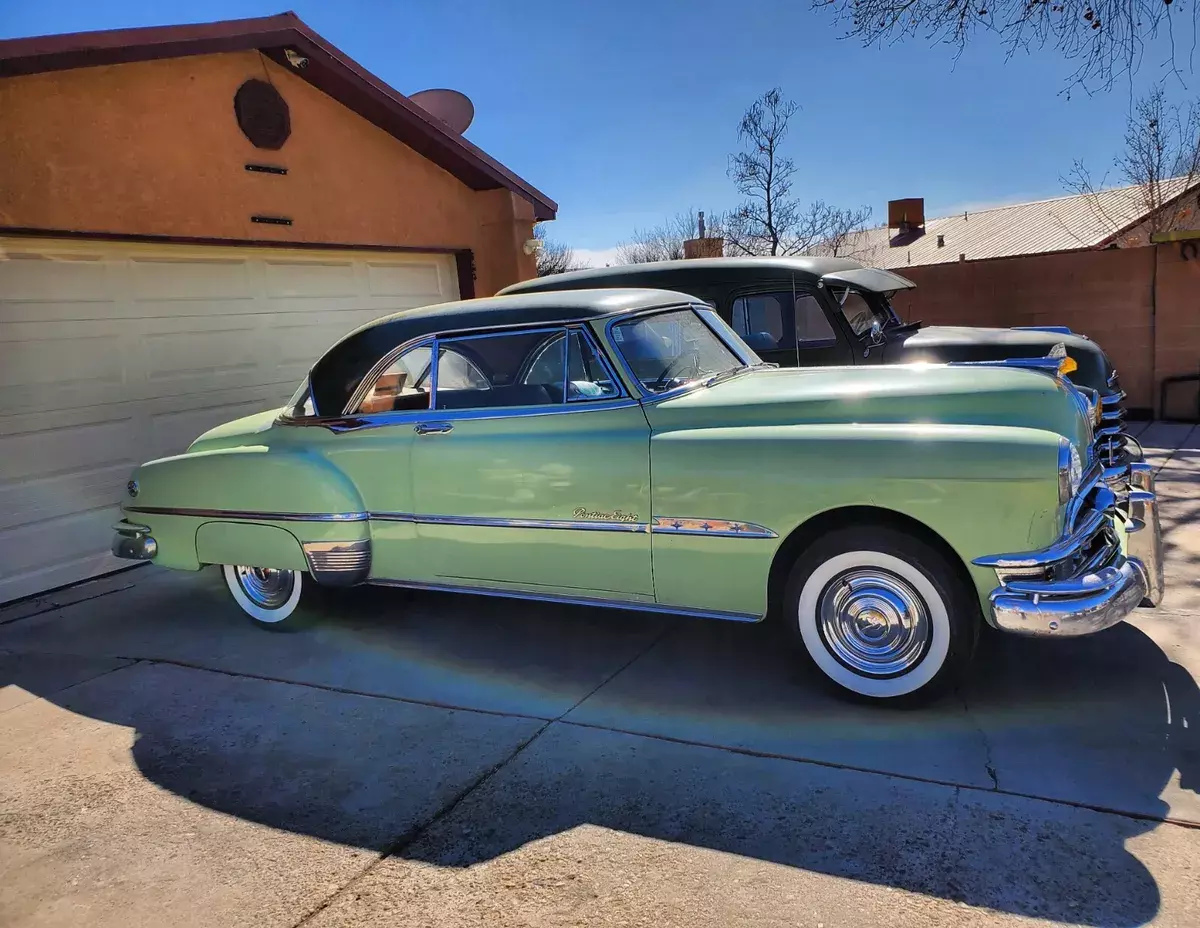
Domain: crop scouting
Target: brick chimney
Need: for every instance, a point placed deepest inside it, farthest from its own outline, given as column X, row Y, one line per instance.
column 704, row 246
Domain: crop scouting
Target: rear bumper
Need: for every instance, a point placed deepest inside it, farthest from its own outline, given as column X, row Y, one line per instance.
column 133, row 542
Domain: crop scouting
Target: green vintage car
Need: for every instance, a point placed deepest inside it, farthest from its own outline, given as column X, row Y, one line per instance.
column 626, row 448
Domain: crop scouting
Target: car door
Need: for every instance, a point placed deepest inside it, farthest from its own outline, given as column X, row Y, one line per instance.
column 535, row 476
column 789, row 327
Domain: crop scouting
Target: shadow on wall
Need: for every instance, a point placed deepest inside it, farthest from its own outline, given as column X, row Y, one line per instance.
column 365, row 774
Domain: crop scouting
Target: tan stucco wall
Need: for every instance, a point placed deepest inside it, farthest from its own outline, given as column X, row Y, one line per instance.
column 153, row 148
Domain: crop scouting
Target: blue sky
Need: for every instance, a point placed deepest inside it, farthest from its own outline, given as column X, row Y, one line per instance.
column 625, row 112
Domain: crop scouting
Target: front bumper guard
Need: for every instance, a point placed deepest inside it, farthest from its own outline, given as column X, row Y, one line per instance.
column 1103, row 595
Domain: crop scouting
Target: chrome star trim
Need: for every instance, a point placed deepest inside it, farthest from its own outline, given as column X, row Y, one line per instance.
column 724, row 528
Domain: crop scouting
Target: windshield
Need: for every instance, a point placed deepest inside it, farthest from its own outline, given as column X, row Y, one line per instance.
column 667, row 350
column 863, row 309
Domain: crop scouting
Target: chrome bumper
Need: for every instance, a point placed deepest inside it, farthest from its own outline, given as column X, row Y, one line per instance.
column 1083, row 583
column 133, row 542
column 1068, row 608
column 1145, row 538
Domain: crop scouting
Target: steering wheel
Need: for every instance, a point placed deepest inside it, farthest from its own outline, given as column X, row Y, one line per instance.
column 667, row 375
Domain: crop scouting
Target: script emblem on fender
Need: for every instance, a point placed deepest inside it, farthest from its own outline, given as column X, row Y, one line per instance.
column 589, row 515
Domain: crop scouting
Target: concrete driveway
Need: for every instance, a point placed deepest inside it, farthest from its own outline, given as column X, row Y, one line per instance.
column 434, row 760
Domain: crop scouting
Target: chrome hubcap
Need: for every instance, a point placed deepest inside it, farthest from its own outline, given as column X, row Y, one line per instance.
column 266, row 587
column 874, row 622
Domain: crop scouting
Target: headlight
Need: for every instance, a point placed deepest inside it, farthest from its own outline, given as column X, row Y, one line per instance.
column 1070, row 471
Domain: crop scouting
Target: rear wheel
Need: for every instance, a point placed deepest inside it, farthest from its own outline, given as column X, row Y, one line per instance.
column 882, row 614
column 269, row 596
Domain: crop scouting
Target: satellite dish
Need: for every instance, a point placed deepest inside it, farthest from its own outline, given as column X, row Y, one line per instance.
column 451, row 107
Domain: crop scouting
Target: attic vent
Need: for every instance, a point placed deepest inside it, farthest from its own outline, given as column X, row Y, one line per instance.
column 941, row 241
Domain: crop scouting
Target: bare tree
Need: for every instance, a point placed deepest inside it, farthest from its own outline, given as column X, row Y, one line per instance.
column 1105, row 38
column 1160, row 162
column 770, row 221
column 554, row 257
column 664, row 242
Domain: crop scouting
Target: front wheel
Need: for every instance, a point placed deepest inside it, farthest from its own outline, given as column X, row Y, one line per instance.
column 268, row 595
column 882, row 614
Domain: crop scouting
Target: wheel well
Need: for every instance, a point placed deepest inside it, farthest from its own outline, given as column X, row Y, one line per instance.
column 804, row 535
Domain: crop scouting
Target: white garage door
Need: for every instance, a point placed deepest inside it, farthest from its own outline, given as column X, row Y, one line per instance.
column 113, row 353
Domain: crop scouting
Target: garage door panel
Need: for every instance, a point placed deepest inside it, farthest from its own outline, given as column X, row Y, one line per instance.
column 167, row 280
column 202, row 355
column 43, row 555
column 415, row 280
column 308, row 280
column 304, row 337
column 172, row 432
column 27, row 456
column 60, row 496
column 41, row 277
column 114, row 353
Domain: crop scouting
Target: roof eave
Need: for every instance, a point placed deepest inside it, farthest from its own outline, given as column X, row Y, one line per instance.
column 329, row 70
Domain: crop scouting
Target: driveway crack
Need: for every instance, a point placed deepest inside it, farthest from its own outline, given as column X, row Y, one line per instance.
column 988, row 762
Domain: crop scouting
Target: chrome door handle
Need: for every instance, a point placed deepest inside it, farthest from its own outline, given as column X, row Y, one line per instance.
column 433, row 428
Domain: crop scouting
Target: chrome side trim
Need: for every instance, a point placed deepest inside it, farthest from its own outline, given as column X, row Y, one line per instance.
column 1046, row 365
column 565, row 600
column 668, row 525
column 483, row 522
column 722, row 528
column 1056, row 329
column 257, row 516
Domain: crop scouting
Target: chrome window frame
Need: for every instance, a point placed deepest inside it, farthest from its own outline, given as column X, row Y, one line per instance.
column 585, row 332
column 350, row 421
column 706, row 315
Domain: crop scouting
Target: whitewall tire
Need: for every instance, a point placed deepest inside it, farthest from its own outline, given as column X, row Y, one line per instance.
column 881, row 614
column 269, row 596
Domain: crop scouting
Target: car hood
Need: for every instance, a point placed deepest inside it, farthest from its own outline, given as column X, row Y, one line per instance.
column 909, row 393
column 976, row 343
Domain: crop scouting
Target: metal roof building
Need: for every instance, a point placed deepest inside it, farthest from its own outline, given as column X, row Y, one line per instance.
column 1109, row 218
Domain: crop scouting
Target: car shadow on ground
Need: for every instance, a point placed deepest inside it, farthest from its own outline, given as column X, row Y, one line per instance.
column 1030, row 714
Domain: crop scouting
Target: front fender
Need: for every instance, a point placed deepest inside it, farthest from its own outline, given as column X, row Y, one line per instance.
column 979, row 488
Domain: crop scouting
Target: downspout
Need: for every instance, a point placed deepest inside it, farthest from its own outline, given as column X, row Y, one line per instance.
column 1155, row 412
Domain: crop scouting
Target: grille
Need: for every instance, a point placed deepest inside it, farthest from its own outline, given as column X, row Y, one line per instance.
column 1111, row 440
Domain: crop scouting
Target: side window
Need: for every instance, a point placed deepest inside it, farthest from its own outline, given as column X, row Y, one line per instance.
column 489, row 371
column 770, row 321
column 404, row 385
column 761, row 321
column 812, row 325
column 587, row 377
column 456, row 372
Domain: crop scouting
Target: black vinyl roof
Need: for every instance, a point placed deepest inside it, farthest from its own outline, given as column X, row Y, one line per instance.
column 684, row 273
column 336, row 375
